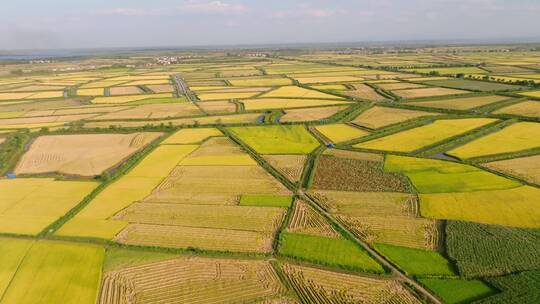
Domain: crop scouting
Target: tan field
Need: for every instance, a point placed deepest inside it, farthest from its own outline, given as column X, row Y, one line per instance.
column 154, row 111
column 378, row 117
column 460, row 103
column 84, row 154
column 427, row 92
column 161, row 88
column 310, row 114
column 115, row 91
column 364, row 92
column 527, row 168
column 528, row 108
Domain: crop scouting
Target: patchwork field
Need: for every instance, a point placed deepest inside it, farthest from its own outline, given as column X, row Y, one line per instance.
column 527, row 108
column 427, row 92
column 378, row 117
column 460, row 103
column 84, row 154
column 277, row 139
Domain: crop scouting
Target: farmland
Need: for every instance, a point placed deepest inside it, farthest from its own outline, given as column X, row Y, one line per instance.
column 279, row 176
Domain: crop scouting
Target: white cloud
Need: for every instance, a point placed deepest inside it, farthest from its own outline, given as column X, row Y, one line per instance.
column 123, row 11
column 220, row 7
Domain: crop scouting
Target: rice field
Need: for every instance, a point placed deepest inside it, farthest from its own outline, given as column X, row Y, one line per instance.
column 282, row 103
column 363, row 91
column 291, row 166
column 528, row 108
column 427, row 92
column 297, row 92
column 277, row 139
column 311, row 114
column 514, row 138
column 417, row 138
column 340, row 132
column 460, row 103
column 526, row 168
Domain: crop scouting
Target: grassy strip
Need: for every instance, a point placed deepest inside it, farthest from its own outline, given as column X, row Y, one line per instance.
column 12, row 149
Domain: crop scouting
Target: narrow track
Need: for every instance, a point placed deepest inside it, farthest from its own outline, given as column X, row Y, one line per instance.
column 394, row 270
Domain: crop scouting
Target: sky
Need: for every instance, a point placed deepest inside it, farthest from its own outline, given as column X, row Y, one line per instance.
column 54, row 24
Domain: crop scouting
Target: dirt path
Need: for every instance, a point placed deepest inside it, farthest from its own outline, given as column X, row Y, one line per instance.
column 395, row 272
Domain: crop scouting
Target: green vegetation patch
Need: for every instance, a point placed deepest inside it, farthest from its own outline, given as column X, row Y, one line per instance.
column 277, row 139
column 521, row 288
column 436, row 176
column 453, row 291
column 116, row 258
column 474, row 85
column 328, row 251
column 490, row 250
column 416, row 262
column 266, row 200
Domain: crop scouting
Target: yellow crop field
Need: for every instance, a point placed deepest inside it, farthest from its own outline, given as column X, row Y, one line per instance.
column 460, row 103
column 91, row 92
column 81, row 154
column 161, row 88
column 29, row 205
column 531, row 94
column 340, row 132
column 327, row 79
column 32, row 88
column 192, row 136
column 164, row 110
column 282, row 103
column 264, row 82
column 400, row 86
column 148, row 82
column 128, row 98
column 517, row 207
column 378, row 117
column 298, row 92
column 516, row 137
column 528, row 108
column 337, row 87
column 101, row 84
column 208, row 88
column 13, row 96
column 414, row 139
column 133, row 186
column 221, row 96
column 427, row 92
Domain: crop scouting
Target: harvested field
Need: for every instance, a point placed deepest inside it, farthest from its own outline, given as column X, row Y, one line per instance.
column 222, row 96
column 116, row 91
column 102, row 84
column 213, row 107
column 195, row 237
column 277, row 139
column 307, row 220
column 260, row 219
column 528, row 108
column 203, row 120
column 215, row 90
column 363, row 91
column 491, row 250
column 160, row 88
column 329, row 251
column 427, row 92
column 192, row 136
column 150, row 111
column 35, row 122
column 400, row 86
column 298, row 92
column 192, row 280
column 315, row 285
column 340, row 132
column 460, row 103
column 378, row 117
column 311, row 114
column 516, row 137
column 291, row 166
column 482, row 86
column 29, row 205
column 333, row 173
column 240, row 73
column 283, row 103
column 84, row 154
column 376, row 217
column 526, row 168
column 327, row 79
column 57, row 272
column 417, row 138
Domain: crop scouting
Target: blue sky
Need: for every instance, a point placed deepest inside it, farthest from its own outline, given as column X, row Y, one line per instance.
column 120, row 23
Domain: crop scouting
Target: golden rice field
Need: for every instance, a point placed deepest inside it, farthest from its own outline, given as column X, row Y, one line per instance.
column 128, row 98
column 427, row 92
column 283, row 103
column 528, row 108
column 192, row 136
column 378, row 117
column 340, row 132
column 297, row 92
column 460, row 103
column 363, row 91
column 153, row 111
column 416, row 138
column 291, row 166
column 311, row 114
column 221, row 96
column 516, row 137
